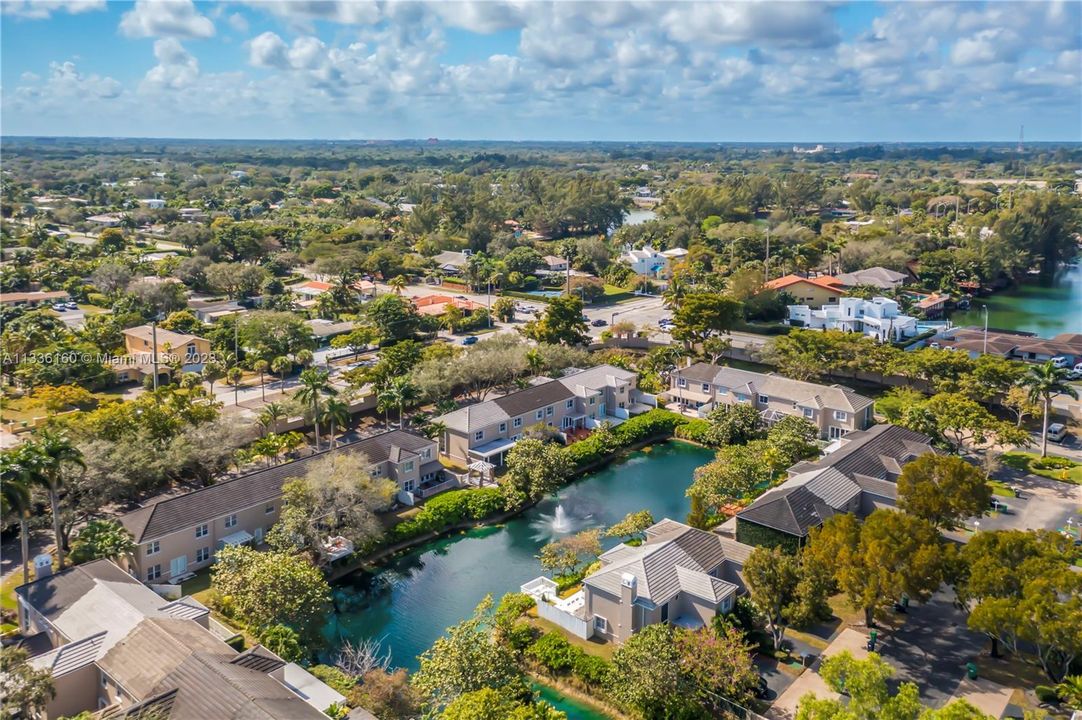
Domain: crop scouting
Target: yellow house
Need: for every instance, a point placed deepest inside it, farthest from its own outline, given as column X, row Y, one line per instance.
column 139, row 341
column 813, row 292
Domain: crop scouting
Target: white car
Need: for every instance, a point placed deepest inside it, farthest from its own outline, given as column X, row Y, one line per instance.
column 1060, row 361
column 1056, row 432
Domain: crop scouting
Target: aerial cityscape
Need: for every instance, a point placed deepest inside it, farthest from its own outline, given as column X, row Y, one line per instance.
column 540, row 360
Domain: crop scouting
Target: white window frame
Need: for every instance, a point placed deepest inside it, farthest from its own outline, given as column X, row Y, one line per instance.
column 764, row 399
column 841, row 415
column 408, row 466
column 479, row 435
column 601, row 623
column 681, row 382
column 706, row 387
column 154, row 572
column 408, row 486
column 808, row 413
column 202, row 530
column 202, row 554
column 550, row 411
column 517, row 422
column 231, row 520
column 569, row 404
column 503, row 427
column 593, row 401
column 539, row 415
column 153, row 548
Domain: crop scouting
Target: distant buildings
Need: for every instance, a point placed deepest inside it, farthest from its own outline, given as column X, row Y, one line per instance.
column 152, row 203
column 1014, row 345
column 878, row 318
column 651, row 263
column 105, row 221
column 33, row 298
column 879, row 277
column 813, row 292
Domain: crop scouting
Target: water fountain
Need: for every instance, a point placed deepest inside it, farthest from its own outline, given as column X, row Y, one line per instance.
column 560, row 522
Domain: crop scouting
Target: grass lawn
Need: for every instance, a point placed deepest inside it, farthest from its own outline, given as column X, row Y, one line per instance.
column 1001, row 489
column 1024, row 461
column 7, row 590
column 593, row 647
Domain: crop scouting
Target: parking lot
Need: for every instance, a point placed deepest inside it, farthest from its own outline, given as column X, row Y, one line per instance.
column 1042, row 504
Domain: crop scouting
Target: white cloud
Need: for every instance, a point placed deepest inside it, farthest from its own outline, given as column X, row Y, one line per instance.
column 238, row 22
column 268, row 50
column 41, row 9
column 168, row 18
column 176, row 67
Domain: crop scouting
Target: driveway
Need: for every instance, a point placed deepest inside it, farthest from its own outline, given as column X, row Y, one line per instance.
column 933, row 647
column 1044, row 504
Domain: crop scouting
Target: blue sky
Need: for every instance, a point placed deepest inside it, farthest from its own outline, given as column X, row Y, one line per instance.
column 518, row 70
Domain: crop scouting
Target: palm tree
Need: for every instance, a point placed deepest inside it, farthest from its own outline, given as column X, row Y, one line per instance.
column 314, row 384
column 272, row 413
column 16, row 480
column 212, row 371
column 397, row 284
column 55, row 452
column 336, row 413
column 280, row 366
column 1046, row 382
column 398, row 393
column 305, row 357
column 233, row 376
column 261, row 366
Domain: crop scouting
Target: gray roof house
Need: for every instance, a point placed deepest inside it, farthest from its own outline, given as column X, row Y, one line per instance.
column 880, row 277
column 113, row 645
column 857, row 477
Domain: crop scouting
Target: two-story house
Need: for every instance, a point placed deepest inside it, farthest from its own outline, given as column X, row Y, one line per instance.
column 814, row 292
column 857, row 477
column 189, row 349
column 177, row 535
column 834, row 409
column 878, row 318
column 112, row 644
column 580, row 399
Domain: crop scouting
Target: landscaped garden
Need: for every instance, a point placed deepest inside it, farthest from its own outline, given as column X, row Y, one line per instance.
column 1052, row 466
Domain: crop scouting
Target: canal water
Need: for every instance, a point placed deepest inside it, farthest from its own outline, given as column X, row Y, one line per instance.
column 1045, row 309
column 414, row 597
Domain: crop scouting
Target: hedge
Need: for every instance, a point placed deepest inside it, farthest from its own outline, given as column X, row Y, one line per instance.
column 447, row 509
column 554, row 653
column 653, row 423
column 335, row 678
column 695, row 430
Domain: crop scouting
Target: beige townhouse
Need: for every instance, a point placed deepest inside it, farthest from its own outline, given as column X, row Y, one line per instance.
column 579, row 399
column 178, row 535
column 834, row 409
column 113, row 645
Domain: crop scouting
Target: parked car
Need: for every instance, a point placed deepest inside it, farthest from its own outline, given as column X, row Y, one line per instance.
column 599, row 323
column 1057, row 432
column 60, row 307
column 1061, row 361
column 471, row 340
column 999, row 506
column 71, row 305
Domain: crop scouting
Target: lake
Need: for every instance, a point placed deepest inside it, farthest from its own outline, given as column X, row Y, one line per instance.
column 415, row 596
column 1045, row 309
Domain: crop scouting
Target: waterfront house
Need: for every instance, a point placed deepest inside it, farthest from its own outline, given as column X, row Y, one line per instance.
column 877, row 318
column 113, row 645
column 1013, row 344
column 834, row 409
column 580, row 399
column 679, row 575
column 857, row 476
column 179, row 534
column 878, row 277
column 813, row 292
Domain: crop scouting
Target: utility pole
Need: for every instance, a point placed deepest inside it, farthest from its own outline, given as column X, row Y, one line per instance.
column 154, row 343
column 766, row 264
column 236, row 355
column 984, row 309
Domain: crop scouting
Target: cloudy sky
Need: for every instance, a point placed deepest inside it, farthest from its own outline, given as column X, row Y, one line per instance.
column 709, row 71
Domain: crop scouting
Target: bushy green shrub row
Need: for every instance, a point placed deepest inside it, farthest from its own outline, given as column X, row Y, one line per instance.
column 448, row 509
column 559, row 657
column 598, row 446
column 695, row 430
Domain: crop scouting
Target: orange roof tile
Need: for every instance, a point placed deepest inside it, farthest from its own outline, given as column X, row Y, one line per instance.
column 826, row 282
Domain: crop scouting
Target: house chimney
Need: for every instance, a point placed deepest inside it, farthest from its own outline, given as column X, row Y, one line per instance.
column 628, row 593
column 43, row 566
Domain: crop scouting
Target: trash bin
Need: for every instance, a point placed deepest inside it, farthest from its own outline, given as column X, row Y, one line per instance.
column 971, row 670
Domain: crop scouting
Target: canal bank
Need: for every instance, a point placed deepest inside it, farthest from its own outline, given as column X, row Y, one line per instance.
column 1045, row 309
column 409, row 601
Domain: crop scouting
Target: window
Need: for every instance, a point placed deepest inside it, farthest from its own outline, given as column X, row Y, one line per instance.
column 722, row 390
column 706, row 387
column 665, row 612
column 153, row 548
column 539, row 415
column 104, row 681
column 202, row 530
column 202, row 554
column 408, row 486
column 426, row 454
column 682, row 383
column 549, row 410
column 763, row 399
column 840, row 415
column 569, row 404
column 601, row 623
column 503, row 427
column 517, row 422
column 154, row 572
column 593, row 400
column 479, row 435
column 231, row 520
column 377, row 471
column 809, row 413
column 407, row 466
column 269, row 510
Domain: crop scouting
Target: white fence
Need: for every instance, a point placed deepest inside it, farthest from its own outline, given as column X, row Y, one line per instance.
column 571, row 623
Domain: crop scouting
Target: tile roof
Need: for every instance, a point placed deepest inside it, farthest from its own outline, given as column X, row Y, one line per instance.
column 181, row 512
column 878, row 452
column 880, row 277
column 798, row 392
column 674, row 558
column 826, row 282
column 792, row 509
column 480, row 415
column 165, row 337
column 69, row 658
column 596, row 378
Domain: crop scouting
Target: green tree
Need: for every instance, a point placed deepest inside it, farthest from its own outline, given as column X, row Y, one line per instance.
column 102, row 539
column 336, row 414
column 273, row 333
column 1044, row 383
column 793, row 438
column 394, row 317
column 734, row 424
column 261, row 366
column 646, row 675
column 387, row 695
column 701, row 316
column 876, row 561
column 943, row 489
column 284, row 642
column 16, row 484
column 562, row 323
column 53, row 453
column 534, row 468
column 566, row 553
column 466, row 659
column 273, row 588
column 865, row 682
column 357, row 340
column 961, row 422
column 733, row 474
column 314, row 384
column 489, row 704
column 398, row 393
column 504, row 309
column 633, row 525
column 281, row 366
column 25, row 691
column 772, row 576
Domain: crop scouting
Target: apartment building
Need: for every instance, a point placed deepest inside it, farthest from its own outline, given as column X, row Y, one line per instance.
column 113, row 645
column 580, row 399
column 180, row 534
column 834, row 409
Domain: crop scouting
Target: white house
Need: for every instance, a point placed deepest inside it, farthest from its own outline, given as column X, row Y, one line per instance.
column 152, row 203
column 878, row 318
column 650, row 262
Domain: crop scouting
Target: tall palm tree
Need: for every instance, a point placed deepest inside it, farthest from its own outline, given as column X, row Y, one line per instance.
column 233, row 376
column 398, row 393
column 314, row 384
column 55, row 452
column 305, row 357
column 336, row 413
column 1044, row 383
column 16, row 480
column 212, row 372
column 261, row 366
column 272, row 413
column 397, row 284
column 280, row 366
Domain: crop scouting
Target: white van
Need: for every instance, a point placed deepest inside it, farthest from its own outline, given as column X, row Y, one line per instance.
column 1056, row 432
column 1061, row 361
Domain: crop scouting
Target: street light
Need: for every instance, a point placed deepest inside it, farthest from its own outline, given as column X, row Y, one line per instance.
column 984, row 309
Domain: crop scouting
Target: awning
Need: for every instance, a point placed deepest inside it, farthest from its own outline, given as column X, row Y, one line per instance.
column 237, row 538
column 493, row 448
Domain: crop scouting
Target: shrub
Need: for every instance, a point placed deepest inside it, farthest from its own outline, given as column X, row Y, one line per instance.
column 449, row 509
column 1052, row 463
column 521, row 635
column 696, row 430
column 97, row 299
column 591, row 669
column 1046, row 694
column 334, row 678
column 652, row 423
column 484, row 502
column 554, row 652
column 512, row 606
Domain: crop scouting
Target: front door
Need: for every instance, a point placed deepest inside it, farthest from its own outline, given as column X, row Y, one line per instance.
column 178, row 566
column 259, row 536
column 836, row 432
column 601, row 412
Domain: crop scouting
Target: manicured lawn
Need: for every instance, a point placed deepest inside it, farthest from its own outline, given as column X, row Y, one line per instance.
column 1025, row 462
column 592, row 647
column 198, row 586
column 7, row 590
column 1001, row 489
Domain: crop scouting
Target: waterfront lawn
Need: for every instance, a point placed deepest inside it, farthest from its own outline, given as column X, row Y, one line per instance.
column 600, row 648
column 1068, row 471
